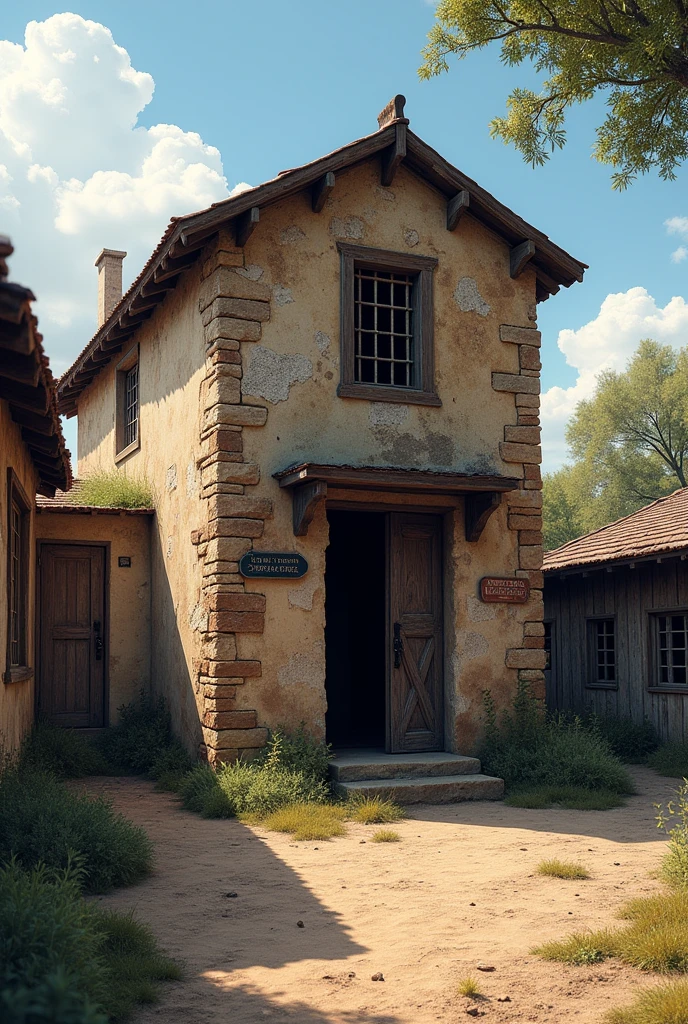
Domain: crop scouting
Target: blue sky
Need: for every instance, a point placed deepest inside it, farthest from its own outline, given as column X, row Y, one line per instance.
column 273, row 85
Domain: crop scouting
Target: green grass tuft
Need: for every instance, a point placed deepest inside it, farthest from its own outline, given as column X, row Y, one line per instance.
column 579, row 949
column 307, row 821
column 134, row 963
column 571, row 798
column 562, row 869
column 385, row 835
column 115, row 490
column 469, row 987
column 374, row 810
column 665, row 1004
column 671, row 759
column 64, row 752
column 631, row 741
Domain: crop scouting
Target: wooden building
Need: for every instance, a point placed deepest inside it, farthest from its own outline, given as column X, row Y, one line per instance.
column 332, row 383
column 616, row 619
column 33, row 459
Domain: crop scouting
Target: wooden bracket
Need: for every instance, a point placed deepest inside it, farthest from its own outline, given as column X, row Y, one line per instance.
column 246, row 224
column 456, row 208
column 392, row 157
column 394, row 111
column 322, row 190
column 479, row 507
column 519, row 256
column 306, row 499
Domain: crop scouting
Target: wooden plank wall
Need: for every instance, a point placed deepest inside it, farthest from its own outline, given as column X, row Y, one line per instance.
column 629, row 595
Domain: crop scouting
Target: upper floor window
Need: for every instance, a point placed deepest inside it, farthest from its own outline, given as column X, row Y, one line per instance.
column 602, row 652
column 670, row 644
column 19, row 518
column 386, row 326
column 127, row 405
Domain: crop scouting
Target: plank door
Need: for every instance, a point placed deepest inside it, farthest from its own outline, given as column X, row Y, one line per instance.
column 72, row 635
column 415, row 640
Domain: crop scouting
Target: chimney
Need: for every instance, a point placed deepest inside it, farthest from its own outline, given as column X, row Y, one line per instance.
column 109, row 265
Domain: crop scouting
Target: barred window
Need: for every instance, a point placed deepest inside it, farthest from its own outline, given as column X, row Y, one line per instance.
column 131, row 405
column 602, row 651
column 127, row 405
column 384, row 327
column 671, row 644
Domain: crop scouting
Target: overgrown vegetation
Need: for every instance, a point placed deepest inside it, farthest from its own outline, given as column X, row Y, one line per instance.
column 563, row 869
column 308, row 821
column 631, row 741
column 671, row 759
column 374, row 810
column 665, row 1004
column 673, row 820
column 569, row 798
column 142, row 741
column 115, row 490
column 529, row 749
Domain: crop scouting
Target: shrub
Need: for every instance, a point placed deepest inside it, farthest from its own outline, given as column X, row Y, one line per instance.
column 258, row 789
column 307, row 821
column 200, row 792
column 41, row 821
column 62, row 751
column 373, row 810
column 674, row 822
column 141, row 737
column 631, row 741
column 385, row 835
column 115, row 490
column 469, row 987
column 671, row 759
column 562, row 869
column 529, row 747
column 297, row 752
column 134, row 963
column 571, row 798
column 665, row 1004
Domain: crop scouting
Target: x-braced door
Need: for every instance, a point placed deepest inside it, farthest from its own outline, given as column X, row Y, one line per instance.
column 415, row 641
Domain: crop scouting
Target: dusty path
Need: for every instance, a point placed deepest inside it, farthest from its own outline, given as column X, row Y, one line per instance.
column 459, row 890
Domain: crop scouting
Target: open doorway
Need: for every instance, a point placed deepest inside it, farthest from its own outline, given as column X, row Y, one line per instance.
column 355, row 631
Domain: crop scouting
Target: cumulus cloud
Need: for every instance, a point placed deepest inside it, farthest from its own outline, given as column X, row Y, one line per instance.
column 606, row 343
column 678, row 255
column 79, row 173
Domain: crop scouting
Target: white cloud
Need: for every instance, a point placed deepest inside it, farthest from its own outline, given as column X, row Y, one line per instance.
column 606, row 343
column 678, row 255
column 78, row 173
column 677, row 226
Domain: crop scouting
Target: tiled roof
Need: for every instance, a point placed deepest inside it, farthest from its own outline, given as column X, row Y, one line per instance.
column 185, row 237
column 70, row 502
column 659, row 527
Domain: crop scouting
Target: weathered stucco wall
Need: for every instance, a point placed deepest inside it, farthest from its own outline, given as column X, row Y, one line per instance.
column 16, row 699
column 128, row 594
column 171, row 370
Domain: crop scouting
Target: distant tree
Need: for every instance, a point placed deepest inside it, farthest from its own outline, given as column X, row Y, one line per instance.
column 629, row 444
column 633, row 51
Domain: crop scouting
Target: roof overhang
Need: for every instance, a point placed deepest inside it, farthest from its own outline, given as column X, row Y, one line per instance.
column 586, row 569
column 396, row 145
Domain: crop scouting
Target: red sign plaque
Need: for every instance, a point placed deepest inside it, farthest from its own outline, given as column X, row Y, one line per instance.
column 507, row 589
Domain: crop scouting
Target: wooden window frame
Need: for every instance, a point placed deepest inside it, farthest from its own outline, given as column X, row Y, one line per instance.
column 422, row 267
column 549, row 651
column 17, row 498
column 654, row 683
column 125, row 364
column 591, row 653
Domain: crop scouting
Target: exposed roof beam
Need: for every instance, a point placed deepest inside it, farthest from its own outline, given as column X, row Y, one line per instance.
column 20, row 368
column 456, row 208
column 246, row 224
column 520, row 255
column 392, row 157
column 322, row 190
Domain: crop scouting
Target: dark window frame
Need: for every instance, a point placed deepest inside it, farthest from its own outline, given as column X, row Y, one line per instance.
column 19, row 508
column 548, row 644
column 422, row 268
column 591, row 638
column 124, row 444
column 655, row 684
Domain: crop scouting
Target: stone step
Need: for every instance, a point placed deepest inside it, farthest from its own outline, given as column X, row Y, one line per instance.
column 428, row 789
column 357, row 765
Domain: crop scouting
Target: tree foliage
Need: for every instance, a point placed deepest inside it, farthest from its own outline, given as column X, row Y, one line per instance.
column 635, row 52
column 629, row 443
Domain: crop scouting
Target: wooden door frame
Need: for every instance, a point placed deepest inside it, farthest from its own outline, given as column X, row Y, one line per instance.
column 38, row 629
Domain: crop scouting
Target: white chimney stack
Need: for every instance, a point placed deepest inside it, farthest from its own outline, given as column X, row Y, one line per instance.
column 109, row 265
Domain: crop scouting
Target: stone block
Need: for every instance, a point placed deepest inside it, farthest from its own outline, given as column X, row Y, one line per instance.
column 531, row 675
column 530, row 556
column 219, row 646
column 230, row 719
column 535, row 577
column 530, row 373
column 529, row 357
column 240, row 505
column 530, row 537
column 533, row 629
column 522, row 435
column 219, row 757
column 227, row 358
column 519, row 335
column 215, row 488
column 222, row 390
column 231, row 473
column 227, row 549
column 516, row 383
column 235, row 415
column 216, row 568
column 532, row 473
column 223, row 258
column 211, row 582
column 252, row 528
column 221, row 703
column 520, row 452
column 524, row 401
column 237, row 622
column 532, row 485
column 226, row 283
column 535, row 643
column 221, row 689
column 523, row 499
column 223, row 441
column 221, row 739
column 229, row 328
column 527, row 420
column 246, row 602
column 236, row 309
column 524, row 657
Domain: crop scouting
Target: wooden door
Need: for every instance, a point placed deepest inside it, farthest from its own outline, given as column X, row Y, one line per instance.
column 72, row 635
column 415, row 640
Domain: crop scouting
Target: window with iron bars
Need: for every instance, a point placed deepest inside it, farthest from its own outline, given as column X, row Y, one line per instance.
column 671, row 646
column 384, row 327
column 131, row 405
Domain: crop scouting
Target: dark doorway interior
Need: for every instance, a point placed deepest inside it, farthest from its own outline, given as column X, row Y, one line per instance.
column 355, row 629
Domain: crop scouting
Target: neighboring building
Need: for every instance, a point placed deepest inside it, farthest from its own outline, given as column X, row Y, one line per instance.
column 340, row 367
column 33, row 459
column 616, row 615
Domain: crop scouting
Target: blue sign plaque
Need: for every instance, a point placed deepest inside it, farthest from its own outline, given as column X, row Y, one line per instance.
column 273, row 565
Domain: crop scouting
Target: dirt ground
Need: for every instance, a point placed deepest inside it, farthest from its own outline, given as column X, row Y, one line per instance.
column 459, row 890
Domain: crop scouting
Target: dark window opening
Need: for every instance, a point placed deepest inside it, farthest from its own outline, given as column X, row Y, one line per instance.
column 671, row 635
column 384, row 327
column 548, row 646
column 131, row 405
column 604, row 651
column 18, row 530
column 355, row 629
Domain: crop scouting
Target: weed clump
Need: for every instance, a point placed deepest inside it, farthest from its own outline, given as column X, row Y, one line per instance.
column 570, row 798
column 307, row 821
column 671, row 759
column 674, row 822
column 61, row 751
column 385, row 835
column 528, row 747
column 115, row 490
column 631, row 741
column 374, row 810
column 469, row 987
column 562, row 869
column 665, row 1004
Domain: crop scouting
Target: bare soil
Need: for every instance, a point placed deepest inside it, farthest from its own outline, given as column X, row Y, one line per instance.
column 270, row 929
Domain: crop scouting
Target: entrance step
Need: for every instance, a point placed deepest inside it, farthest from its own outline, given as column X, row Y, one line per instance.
column 427, row 789
column 358, row 765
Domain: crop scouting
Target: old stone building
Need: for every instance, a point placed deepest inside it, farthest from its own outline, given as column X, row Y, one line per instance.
column 331, row 381
column 33, row 459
